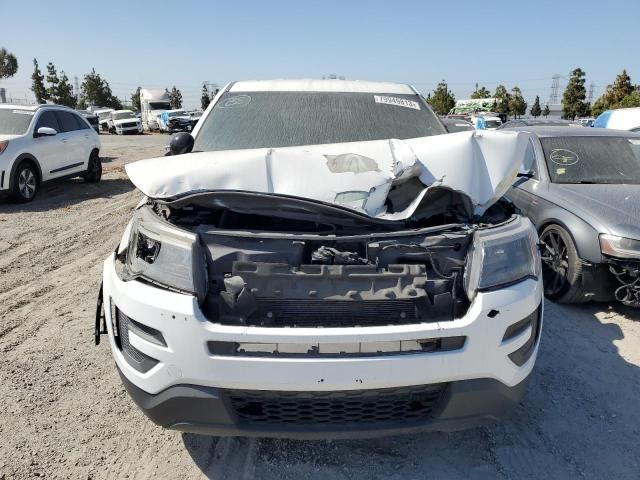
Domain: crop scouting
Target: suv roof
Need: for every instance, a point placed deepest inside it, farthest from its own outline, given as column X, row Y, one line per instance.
column 309, row 85
column 33, row 108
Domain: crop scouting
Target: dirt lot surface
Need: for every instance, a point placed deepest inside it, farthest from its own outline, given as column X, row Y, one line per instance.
column 65, row 414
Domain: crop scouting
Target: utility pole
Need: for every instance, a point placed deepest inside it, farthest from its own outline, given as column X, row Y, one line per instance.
column 76, row 87
column 590, row 93
column 555, row 86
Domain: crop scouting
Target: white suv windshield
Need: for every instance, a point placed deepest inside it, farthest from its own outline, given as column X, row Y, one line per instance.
column 14, row 122
column 286, row 119
column 122, row 115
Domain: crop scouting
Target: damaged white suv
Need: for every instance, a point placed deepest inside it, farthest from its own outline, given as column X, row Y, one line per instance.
column 322, row 261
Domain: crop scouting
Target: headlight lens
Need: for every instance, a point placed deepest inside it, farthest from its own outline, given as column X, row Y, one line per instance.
column 502, row 256
column 4, row 145
column 619, row 246
column 166, row 255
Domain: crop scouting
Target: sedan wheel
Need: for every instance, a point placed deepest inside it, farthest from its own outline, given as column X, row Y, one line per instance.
column 561, row 267
column 555, row 263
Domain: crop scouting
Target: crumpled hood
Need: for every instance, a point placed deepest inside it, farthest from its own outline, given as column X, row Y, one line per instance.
column 358, row 175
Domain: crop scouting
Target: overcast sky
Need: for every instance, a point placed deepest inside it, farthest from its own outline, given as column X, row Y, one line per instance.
column 183, row 43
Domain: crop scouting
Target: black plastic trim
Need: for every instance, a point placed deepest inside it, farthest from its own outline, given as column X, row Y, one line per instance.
column 207, row 410
column 522, row 354
column 67, row 167
column 431, row 345
column 24, row 156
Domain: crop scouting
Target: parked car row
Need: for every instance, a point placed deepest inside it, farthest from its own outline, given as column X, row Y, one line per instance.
column 320, row 259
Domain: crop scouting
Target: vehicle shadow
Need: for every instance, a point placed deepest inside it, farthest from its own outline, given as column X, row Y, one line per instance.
column 64, row 193
column 578, row 419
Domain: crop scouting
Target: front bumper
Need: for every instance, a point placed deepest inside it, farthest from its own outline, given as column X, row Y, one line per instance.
column 187, row 382
column 208, row 410
column 125, row 130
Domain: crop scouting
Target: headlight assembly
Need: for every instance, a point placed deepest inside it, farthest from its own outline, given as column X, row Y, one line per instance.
column 165, row 255
column 502, row 256
column 620, row 247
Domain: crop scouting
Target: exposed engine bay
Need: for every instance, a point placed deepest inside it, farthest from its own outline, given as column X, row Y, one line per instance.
column 278, row 261
column 627, row 275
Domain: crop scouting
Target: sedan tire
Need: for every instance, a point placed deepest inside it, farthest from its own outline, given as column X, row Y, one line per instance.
column 561, row 266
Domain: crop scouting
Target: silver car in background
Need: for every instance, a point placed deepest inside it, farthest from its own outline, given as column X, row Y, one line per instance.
column 581, row 188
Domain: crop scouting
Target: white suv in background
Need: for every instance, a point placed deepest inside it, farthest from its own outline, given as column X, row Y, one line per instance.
column 44, row 142
column 122, row 122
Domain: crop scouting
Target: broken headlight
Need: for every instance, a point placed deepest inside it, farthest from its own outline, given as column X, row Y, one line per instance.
column 165, row 255
column 502, row 256
column 620, row 247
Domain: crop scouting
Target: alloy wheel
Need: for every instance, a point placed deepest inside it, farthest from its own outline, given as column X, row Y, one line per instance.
column 555, row 263
column 27, row 183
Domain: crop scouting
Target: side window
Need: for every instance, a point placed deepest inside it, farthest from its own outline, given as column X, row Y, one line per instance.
column 529, row 162
column 48, row 119
column 82, row 124
column 67, row 121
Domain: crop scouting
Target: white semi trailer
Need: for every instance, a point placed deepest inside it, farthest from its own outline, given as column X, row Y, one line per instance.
column 152, row 104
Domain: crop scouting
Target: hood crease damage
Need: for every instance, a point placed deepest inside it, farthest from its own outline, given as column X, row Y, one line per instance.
column 384, row 179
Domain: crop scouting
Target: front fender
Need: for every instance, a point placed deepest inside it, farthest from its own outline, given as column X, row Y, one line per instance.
column 585, row 237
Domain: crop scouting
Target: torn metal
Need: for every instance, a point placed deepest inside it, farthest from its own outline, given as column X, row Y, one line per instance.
column 362, row 176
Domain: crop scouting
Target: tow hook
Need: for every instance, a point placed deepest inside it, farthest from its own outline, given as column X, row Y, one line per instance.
column 101, row 321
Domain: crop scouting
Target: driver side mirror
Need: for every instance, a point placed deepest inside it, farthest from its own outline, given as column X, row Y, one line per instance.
column 46, row 132
column 181, row 143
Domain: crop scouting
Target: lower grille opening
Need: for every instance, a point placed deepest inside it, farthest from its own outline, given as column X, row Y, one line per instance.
column 342, row 408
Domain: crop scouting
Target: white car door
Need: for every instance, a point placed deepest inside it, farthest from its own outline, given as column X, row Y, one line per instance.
column 48, row 150
column 86, row 140
column 72, row 159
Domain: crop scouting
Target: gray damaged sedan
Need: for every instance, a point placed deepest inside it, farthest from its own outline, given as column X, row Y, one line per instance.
column 581, row 188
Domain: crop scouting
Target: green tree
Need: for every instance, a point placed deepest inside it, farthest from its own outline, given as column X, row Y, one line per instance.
column 8, row 64
column 546, row 111
column 135, row 100
column 442, row 100
column 536, row 111
column 517, row 105
column 205, row 99
column 631, row 100
column 64, row 91
column 96, row 91
column 481, row 93
column 573, row 104
column 614, row 94
column 175, row 98
column 52, row 82
column 502, row 100
column 37, row 84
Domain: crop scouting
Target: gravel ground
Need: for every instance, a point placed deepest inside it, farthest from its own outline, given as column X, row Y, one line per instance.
column 65, row 414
